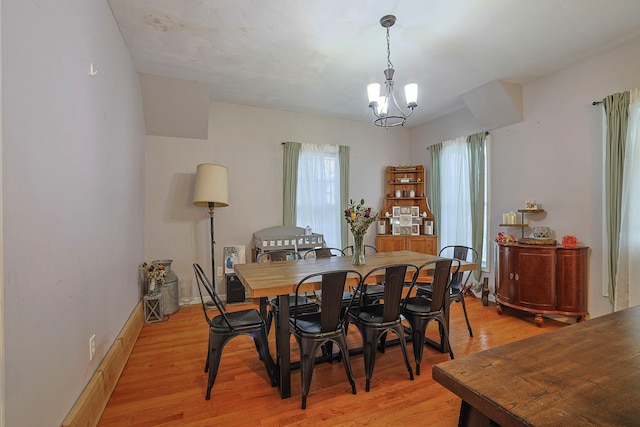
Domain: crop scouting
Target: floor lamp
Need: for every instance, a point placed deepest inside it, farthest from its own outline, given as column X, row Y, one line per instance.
column 211, row 190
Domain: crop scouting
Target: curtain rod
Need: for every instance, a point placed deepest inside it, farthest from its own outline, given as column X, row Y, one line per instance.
column 596, row 102
column 486, row 133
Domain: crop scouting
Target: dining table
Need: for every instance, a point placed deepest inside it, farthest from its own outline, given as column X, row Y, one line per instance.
column 264, row 280
column 585, row 374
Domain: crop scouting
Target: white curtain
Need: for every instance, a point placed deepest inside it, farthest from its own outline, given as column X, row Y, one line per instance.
column 627, row 292
column 455, row 225
column 318, row 192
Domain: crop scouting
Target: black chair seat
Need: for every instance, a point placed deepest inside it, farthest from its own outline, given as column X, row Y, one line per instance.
column 373, row 294
column 310, row 324
column 417, row 305
column 238, row 320
column 303, row 301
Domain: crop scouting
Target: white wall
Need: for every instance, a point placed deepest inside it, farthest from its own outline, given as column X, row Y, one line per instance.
column 555, row 155
column 73, row 201
column 248, row 141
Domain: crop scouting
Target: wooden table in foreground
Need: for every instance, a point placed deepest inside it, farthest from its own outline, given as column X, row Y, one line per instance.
column 587, row 374
column 280, row 278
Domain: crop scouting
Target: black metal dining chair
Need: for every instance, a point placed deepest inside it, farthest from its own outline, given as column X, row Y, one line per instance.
column 314, row 330
column 459, row 280
column 325, row 252
column 420, row 310
column 374, row 320
column 228, row 325
column 273, row 303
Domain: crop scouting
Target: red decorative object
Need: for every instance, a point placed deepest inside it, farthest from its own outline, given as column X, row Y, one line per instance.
column 569, row 241
column 506, row 239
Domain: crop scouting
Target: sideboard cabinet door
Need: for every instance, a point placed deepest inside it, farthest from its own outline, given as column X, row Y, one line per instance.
column 571, row 277
column 535, row 278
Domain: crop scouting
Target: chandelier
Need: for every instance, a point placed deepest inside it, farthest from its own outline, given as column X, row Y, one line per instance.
column 383, row 105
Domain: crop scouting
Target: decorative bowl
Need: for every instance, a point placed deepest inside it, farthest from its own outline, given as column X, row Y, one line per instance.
column 541, row 232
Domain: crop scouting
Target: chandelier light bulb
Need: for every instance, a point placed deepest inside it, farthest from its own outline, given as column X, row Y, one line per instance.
column 373, row 90
column 383, row 106
column 411, row 93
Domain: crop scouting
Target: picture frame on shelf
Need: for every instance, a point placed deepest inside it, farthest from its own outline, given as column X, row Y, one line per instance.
column 405, row 220
column 395, row 211
column 415, row 211
column 402, row 230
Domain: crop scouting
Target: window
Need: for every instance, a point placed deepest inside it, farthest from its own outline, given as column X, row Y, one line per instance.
column 460, row 193
column 318, row 191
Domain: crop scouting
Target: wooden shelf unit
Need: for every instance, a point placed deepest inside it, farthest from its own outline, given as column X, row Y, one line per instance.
column 522, row 224
column 406, row 179
column 393, row 176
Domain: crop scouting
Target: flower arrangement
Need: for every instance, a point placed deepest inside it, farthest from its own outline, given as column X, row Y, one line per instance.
column 154, row 273
column 359, row 217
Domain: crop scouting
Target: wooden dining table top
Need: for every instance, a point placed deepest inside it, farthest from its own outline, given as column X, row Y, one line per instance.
column 585, row 374
column 276, row 278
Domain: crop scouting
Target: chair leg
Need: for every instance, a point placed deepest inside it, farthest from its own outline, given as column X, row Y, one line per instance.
column 443, row 324
column 369, row 341
column 262, row 345
column 399, row 330
column 216, row 344
column 466, row 316
column 382, row 342
column 341, row 341
column 206, row 363
column 307, row 361
column 418, row 328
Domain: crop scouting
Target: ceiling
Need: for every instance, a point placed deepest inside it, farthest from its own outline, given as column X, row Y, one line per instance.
column 317, row 57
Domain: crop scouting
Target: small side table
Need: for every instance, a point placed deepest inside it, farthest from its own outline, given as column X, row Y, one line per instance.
column 153, row 308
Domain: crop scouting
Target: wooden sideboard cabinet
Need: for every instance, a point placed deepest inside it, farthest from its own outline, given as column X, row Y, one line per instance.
column 426, row 244
column 542, row 280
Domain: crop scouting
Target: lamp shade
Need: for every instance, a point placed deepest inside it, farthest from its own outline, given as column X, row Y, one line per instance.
column 211, row 186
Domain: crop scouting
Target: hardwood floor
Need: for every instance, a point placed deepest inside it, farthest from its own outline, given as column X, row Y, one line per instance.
column 163, row 383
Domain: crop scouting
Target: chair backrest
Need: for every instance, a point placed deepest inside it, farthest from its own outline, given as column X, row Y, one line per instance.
column 279, row 255
column 463, row 253
column 203, row 282
column 394, row 280
column 368, row 249
column 323, row 253
column 442, row 272
column 333, row 283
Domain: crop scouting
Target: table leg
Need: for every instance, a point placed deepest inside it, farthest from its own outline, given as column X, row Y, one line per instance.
column 471, row 417
column 283, row 342
column 263, row 307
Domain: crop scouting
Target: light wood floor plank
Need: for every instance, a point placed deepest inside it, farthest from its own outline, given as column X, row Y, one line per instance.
column 163, row 383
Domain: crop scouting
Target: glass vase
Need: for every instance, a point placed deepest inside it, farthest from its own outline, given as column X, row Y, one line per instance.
column 358, row 249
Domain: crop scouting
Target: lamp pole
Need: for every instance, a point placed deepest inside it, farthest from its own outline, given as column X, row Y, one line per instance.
column 213, row 242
